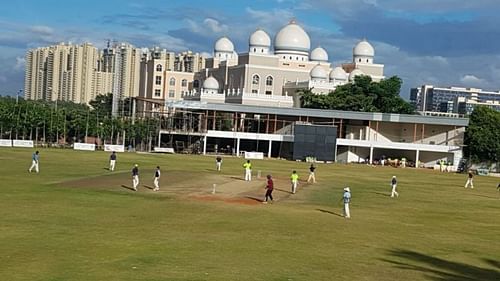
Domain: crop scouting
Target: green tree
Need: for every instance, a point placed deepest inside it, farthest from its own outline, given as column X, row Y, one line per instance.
column 482, row 136
column 362, row 95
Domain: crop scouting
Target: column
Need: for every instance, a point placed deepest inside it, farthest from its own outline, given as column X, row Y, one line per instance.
column 371, row 154
column 204, row 145
column 238, row 147
column 417, row 159
column 269, row 150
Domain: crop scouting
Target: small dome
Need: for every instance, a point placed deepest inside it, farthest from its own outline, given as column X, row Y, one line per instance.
column 224, row 45
column 319, row 54
column 338, row 73
column 363, row 49
column 318, row 72
column 259, row 39
column 211, row 83
column 354, row 73
column 292, row 38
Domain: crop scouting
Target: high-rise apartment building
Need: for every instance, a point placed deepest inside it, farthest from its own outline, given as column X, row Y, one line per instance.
column 189, row 62
column 64, row 72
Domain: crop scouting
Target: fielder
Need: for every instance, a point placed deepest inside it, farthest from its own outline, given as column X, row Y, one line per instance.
column 135, row 176
column 248, row 170
column 311, row 174
column 218, row 163
column 295, row 180
column 347, row 200
column 34, row 162
column 112, row 161
column 394, row 184
column 470, row 179
column 157, row 179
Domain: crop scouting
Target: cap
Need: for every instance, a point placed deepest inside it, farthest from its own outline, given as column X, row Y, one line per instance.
column 347, row 189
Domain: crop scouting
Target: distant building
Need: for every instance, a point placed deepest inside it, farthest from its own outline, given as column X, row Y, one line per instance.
column 453, row 100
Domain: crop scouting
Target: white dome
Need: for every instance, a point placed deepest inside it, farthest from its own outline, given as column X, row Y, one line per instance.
column 319, row 54
column 354, row 73
column 224, row 45
column 211, row 83
column 363, row 49
column 338, row 73
column 292, row 38
column 259, row 39
column 318, row 72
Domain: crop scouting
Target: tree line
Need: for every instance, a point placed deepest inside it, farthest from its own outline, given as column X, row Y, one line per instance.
column 61, row 123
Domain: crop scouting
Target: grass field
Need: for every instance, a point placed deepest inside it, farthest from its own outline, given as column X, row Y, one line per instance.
column 77, row 221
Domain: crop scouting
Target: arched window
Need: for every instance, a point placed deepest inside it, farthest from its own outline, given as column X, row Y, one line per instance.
column 269, row 81
column 172, row 81
column 255, row 79
column 184, row 82
column 262, row 50
column 359, row 60
column 159, row 67
column 254, row 50
column 196, row 84
column 366, row 60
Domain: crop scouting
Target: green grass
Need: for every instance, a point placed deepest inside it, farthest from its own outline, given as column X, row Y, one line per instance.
column 435, row 230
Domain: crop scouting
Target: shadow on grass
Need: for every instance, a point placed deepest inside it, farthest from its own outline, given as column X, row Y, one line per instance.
column 127, row 187
column 329, row 212
column 237, row 178
column 255, row 198
column 148, row 187
column 282, row 190
column 383, row 194
column 485, row 196
column 442, row 270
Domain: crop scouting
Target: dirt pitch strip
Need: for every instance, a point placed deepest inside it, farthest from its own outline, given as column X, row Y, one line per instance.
column 192, row 186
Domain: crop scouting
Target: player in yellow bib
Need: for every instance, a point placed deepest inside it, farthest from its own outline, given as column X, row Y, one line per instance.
column 295, row 180
column 248, row 170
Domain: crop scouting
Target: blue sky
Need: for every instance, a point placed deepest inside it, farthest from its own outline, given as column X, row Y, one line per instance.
column 440, row 42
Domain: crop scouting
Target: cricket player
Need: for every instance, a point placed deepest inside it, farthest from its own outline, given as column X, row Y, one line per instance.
column 218, row 162
column 135, row 176
column 248, row 170
column 157, row 179
column 295, row 180
column 311, row 174
column 394, row 184
column 347, row 200
column 112, row 161
column 470, row 178
column 269, row 189
column 34, row 162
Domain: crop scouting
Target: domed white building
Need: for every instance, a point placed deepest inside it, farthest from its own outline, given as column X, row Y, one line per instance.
column 259, row 42
column 319, row 54
column 318, row 73
column 224, row 49
column 338, row 75
column 354, row 73
column 211, row 85
column 292, row 43
column 363, row 52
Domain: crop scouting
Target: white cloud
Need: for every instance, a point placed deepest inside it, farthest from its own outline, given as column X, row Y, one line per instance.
column 20, row 63
column 41, row 29
column 208, row 26
column 471, row 80
column 215, row 26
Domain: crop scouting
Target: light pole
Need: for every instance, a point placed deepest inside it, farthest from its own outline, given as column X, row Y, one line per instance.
column 17, row 95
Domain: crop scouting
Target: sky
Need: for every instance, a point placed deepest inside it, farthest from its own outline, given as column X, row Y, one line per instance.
column 438, row 42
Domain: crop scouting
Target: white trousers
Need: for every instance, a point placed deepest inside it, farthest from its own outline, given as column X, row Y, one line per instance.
column 469, row 181
column 157, row 183
column 135, row 181
column 311, row 177
column 217, row 165
column 34, row 164
column 394, row 192
column 248, row 174
column 294, row 186
column 112, row 165
column 347, row 213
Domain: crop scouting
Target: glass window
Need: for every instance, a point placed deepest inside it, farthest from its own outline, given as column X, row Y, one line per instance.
column 172, row 81
column 254, row 91
column 196, row 84
column 269, row 92
column 184, row 82
column 269, row 81
column 255, row 79
column 158, row 80
column 157, row 92
column 159, row 67
column 171, row 94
